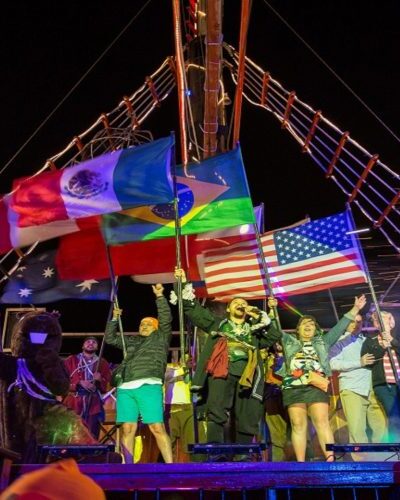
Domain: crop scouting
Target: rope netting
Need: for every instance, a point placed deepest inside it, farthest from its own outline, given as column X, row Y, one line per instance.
column 368, row 183
column 114, row 130
column 119, row 128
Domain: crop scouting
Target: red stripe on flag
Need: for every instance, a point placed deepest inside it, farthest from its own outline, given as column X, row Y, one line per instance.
column 38, row 203
column 260, row 292
column 237, row 270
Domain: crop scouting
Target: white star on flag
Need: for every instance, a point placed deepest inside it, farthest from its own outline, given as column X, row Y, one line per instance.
column 39, row 283
column 48, row 272
column 86, row 284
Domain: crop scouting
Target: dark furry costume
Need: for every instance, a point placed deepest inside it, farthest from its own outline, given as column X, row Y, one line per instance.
column 30, row 380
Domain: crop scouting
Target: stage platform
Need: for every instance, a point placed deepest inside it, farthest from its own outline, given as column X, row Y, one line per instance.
column 268, row 480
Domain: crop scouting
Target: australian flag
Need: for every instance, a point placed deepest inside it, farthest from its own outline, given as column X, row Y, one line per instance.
column 36, row 281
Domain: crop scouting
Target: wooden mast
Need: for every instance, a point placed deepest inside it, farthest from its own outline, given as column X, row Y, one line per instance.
column 213, row 42
column 244, row 26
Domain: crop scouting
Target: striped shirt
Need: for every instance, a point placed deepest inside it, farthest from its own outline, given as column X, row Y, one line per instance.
column 387, row 367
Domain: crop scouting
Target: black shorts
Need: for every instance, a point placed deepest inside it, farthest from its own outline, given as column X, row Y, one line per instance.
column 304, row 394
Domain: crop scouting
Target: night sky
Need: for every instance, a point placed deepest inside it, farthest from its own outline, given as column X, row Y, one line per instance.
column 46, row 47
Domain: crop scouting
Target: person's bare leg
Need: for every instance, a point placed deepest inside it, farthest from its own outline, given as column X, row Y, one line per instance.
column 128, row 431
column 163, row 441
column 319, row 413
column 298, row 420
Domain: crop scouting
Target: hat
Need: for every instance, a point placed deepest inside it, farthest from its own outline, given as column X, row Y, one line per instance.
column 58, row 481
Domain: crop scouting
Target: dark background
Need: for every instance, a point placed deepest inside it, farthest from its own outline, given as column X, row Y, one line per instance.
column 47, row 46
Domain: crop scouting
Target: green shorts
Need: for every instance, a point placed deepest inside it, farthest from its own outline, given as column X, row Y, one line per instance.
column 146, row 401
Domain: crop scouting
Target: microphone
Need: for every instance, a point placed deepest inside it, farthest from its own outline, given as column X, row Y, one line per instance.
column 255, row 310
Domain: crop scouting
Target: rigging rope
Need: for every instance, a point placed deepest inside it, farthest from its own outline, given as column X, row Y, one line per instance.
column 367, row 182
column 374, row 189
column 331, row 70
column 115, row 129
column 95, row 140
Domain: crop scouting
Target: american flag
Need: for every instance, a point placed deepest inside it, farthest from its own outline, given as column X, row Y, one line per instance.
column 301, row 259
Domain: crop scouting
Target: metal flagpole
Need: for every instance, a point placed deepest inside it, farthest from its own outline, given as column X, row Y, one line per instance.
column 262, row 228
column 113, row 302
column 373, row 296
column 178, row 256
column 266, row 273
column 179, row 283
column 333, row 304
column 114, row 297
column 191, row 335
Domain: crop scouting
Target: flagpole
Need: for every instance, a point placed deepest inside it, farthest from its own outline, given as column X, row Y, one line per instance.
column 266, row 273
column 178, row 254
column 113, row 302
column 333, row 305
column 373, row 296
column 114, row 297
column 262, row 227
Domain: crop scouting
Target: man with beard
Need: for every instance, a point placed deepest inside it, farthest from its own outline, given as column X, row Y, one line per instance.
column 230, row 372
column 89, row 378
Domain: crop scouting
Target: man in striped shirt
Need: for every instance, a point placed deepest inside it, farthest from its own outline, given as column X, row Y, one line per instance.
column 383, row 373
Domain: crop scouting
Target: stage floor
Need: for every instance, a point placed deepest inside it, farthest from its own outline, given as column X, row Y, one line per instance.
column 273, row 479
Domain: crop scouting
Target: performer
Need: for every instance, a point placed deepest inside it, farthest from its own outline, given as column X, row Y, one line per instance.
column 142, row 377
column 305, row 378
column 179, row 410
column 30, row 380
column 383, row 379
column 360, row 406
column 230, row 373
column 89, row 379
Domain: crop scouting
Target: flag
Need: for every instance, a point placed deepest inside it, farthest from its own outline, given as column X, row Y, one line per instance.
column 214, row 195
column 192, row 256
column 52, row 203
column 12, row 236
column 37, row 282
column 82, row 255
column 301, row 259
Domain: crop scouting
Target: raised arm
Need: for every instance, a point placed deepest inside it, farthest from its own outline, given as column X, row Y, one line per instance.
column 163, row 312
column 200, row 316
column 111, row 337
column 271, row 333
column 339, row 329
